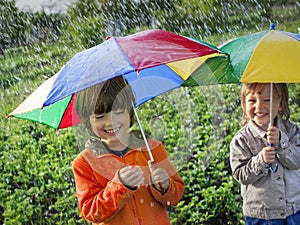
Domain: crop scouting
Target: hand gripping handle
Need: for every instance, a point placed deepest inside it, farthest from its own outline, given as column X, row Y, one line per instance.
column 152, row 167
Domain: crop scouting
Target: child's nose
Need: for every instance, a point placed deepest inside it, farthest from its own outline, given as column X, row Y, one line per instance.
column 109, row 120
column 259, row 104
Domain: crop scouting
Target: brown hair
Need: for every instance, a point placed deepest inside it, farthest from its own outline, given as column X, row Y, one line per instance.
column 280, row 90
column 102, row 98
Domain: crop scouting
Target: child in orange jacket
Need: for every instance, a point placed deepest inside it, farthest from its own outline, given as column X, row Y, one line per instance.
column 113, row 182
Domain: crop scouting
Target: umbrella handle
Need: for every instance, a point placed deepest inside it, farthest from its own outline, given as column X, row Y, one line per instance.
column 271, row 124
column 271, row 105
column 151, row 162
column 152, row 167
column 273, row 170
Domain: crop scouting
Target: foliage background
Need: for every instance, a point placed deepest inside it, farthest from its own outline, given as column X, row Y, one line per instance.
column 195, row 124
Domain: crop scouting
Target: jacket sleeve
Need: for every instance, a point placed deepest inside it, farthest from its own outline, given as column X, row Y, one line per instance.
column 246, row 168
column 289, row 149
column 175, row 191
column 97, row 202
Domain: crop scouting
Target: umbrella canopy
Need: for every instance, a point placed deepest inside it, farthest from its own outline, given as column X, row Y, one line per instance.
column 270, row 56
column 151, row 61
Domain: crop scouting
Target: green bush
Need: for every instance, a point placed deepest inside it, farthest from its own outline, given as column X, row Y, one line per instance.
column 37, row 182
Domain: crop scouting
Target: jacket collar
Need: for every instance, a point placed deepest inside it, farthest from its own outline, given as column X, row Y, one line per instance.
column 98, row 147
column 257, row 132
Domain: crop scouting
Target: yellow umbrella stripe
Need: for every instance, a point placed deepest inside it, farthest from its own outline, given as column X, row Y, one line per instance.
column 184, row 68
column 274, row 62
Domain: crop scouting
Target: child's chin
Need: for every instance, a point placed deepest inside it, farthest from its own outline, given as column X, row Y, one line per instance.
column 263, row 126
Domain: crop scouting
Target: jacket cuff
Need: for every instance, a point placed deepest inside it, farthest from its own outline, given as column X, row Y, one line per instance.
column 262, row 167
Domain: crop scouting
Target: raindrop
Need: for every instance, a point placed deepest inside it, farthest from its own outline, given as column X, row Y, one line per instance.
column 152, row 204
column 142, row 201
column 8, row 123
column 40, row 116
column 168, row 203
column 11, row 157
column 59, row 143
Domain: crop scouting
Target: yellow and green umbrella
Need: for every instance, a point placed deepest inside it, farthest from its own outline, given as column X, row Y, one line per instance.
column 270, row 56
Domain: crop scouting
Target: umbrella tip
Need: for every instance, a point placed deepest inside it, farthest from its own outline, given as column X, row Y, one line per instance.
column 272, row 26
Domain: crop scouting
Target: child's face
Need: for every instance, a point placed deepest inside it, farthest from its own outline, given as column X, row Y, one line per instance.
column 112, row 128
column 257, row 106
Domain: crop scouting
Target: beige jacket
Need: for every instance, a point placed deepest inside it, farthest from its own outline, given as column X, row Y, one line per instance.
column 267, row 195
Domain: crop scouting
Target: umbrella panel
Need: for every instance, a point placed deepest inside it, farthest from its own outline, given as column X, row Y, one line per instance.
column 119, row 56
column 58, row 115
column 275, row 59
column 266, row 57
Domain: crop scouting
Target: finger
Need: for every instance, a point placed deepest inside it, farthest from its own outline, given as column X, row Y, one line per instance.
column 271, row 157
column 135, row 181
column 160, row 175
column 134, row 172
column 273, row 137
column 165, row 184
column 131, row 169
column 138, row 181
column 270, row 160
column 270, row 149
column 125, row 169
column 126, row 172
column 272, row 129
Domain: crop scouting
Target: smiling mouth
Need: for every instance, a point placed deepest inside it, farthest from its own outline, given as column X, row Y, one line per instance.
column 260, row 115
column 112, row 131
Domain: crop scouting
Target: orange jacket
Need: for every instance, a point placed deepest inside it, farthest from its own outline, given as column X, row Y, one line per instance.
column 103, row 199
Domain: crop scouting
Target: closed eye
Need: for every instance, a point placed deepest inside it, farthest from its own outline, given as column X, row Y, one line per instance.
column 98, row 117
column 251, row 100
column 119, row 111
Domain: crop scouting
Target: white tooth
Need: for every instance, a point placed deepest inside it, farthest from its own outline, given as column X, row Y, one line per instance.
column 112, row 131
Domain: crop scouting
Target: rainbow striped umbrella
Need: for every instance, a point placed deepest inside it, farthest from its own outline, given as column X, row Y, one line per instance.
column 152, row 62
